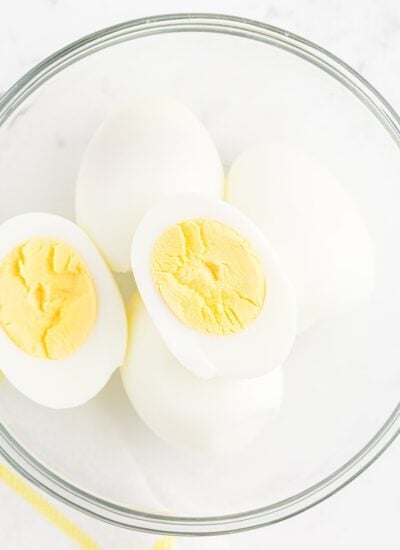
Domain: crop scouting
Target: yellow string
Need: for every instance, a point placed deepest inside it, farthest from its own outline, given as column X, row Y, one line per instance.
column 48, row 511
column 167, row 543
column 25, row 491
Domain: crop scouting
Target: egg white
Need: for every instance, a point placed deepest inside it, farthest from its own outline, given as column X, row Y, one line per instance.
column 150, row 147
column 312, row 223
column 201, row 415
column 254, row 351
column 70, row 381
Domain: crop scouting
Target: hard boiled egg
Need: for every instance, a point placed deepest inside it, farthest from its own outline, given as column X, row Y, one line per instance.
column 62, row 320
column 151, row 147
column 185, row 410
column 213, row 287
column 312, row 223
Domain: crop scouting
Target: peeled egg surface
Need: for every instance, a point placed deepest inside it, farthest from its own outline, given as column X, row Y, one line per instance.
column 54, row 285
column 195, row 283
column 312, row 223
column 151, row 147
column 182, row 409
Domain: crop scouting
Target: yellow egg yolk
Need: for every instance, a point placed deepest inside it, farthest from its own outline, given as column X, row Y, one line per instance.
column 209, row 276
column 47, row 299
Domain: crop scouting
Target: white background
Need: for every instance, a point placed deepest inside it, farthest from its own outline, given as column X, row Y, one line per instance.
column 364, row 33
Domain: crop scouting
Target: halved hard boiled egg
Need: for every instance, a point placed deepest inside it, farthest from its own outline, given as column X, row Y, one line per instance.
column 213, row 287
column 202, row 415
column 151, row 147
column 312, row 223
column 62, row 320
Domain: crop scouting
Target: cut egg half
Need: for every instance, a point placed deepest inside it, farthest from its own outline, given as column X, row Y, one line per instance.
column 63, row 325
column 214, row 287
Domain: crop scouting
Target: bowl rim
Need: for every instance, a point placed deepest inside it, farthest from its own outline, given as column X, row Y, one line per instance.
column 37, row 473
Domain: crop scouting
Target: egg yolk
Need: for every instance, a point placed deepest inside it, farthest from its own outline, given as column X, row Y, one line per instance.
column 47, row 299
column 209, row 276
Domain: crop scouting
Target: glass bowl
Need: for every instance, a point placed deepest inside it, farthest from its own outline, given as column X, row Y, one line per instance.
column 247, row 81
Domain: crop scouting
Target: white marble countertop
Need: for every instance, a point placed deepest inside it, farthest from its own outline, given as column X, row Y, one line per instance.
column 365, row 34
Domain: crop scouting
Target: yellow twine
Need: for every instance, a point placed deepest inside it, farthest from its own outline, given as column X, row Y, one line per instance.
column 47, row 510
column 54, row 516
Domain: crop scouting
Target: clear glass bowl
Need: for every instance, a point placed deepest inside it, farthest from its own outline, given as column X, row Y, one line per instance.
column 247, row 81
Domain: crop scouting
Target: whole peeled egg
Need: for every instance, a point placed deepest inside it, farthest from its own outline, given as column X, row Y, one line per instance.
column 312, row 224
column 63, row 328
column 185, row 410
column 213, row 287
column 150, row 147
